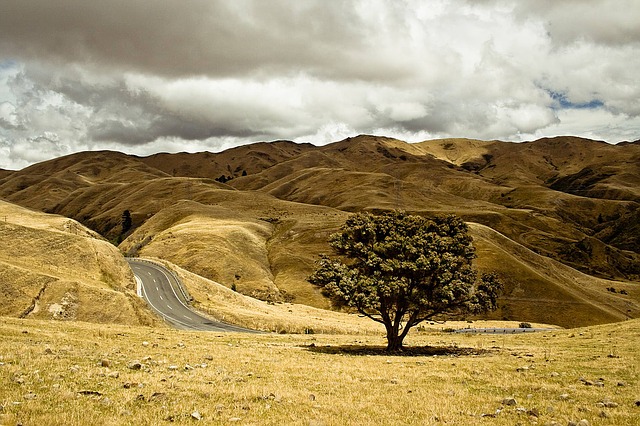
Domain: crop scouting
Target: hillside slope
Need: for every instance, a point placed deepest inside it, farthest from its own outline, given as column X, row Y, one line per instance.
column 256, row 217
column 52, row 267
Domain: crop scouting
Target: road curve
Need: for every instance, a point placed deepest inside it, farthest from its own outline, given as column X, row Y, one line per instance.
column 160, row 289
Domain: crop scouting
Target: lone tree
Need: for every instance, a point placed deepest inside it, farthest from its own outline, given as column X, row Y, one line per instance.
column 126, row 222
column 402, row 269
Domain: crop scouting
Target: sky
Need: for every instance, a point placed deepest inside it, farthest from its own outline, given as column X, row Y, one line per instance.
column 147, row 76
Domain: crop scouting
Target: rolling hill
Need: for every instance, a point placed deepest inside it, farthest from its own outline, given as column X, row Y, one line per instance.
column 52, row 267
column 558, row 218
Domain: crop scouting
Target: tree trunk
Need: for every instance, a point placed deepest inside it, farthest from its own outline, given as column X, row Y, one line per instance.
column 394, row 338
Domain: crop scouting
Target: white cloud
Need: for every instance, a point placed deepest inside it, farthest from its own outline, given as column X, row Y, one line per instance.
column 209, row 74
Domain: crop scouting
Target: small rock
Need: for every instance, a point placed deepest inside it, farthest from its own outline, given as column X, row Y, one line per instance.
column 521, row 369
column 637, row 403
column 145, row 343
column 235, row 419
column 603, row 414
column 621, row 384
column 564, row 397
column 607, row 403
column 509, row 401
column 196, row 415
column 583, row 422
column 74, row 369
column 30, row 396
column 521, row 410
column 534, row 412
column 90, row 393
column 134, row 365
column 208, row 357
column 105, row 363
column 554, row 374
column 173, row 367
column 587, row 382
column 312, row 397
column 187, row 367
column 114, row 374
column 157, row 396
column 48, row 351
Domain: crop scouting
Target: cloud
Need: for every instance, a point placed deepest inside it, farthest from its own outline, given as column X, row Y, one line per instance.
column 606, row 22
column 139, row 75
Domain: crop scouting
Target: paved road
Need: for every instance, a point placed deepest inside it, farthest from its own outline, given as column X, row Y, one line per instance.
column 160, row 289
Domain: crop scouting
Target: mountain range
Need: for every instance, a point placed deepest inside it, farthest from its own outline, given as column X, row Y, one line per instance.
column 557, row 218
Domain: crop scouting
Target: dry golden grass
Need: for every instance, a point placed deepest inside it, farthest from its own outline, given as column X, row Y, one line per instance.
column 556, row 288
column 263, row 246
column 76, row 374
column 53, row 267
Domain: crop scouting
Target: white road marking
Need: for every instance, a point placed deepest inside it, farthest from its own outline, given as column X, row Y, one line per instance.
column 189, row 318
column 169, row 307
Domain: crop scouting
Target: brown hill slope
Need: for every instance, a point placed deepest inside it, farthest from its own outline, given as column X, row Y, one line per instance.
column 260, row 245
column 53, row 267
column 230, row 163
column 381, row 173
column 44, row 185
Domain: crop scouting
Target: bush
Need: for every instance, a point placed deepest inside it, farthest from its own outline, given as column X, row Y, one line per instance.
column 524, row 325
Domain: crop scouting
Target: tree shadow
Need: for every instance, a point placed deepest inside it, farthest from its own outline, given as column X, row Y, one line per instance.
column 408, row 351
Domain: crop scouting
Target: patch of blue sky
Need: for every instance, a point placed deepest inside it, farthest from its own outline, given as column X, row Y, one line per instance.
column 562, row 102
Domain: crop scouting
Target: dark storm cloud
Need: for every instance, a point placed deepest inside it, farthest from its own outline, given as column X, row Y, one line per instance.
column 197, row 37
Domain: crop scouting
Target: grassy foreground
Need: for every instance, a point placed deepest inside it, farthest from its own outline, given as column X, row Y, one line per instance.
column 76, row 373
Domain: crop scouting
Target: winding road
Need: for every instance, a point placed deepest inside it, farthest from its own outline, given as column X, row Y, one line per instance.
column 163, row 293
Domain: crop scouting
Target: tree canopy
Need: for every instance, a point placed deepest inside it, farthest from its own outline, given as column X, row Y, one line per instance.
column 400, row 269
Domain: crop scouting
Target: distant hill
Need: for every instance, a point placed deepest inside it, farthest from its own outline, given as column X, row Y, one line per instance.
column 256, row 217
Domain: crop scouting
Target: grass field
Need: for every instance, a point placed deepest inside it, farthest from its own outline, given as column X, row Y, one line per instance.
column 76, row 373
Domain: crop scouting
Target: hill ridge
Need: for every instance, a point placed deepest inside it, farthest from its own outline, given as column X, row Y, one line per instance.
column 572, row 200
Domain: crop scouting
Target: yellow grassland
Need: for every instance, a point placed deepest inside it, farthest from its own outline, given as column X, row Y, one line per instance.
column 76, row 373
